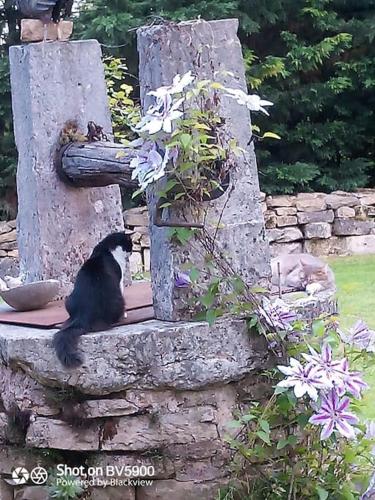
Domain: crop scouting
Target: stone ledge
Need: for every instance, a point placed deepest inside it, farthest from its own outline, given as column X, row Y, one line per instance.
column 148, row 355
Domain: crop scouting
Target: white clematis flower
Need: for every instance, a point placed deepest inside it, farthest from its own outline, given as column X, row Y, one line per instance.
column 253, row 102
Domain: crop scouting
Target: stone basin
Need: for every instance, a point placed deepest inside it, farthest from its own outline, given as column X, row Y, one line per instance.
column 31, row 295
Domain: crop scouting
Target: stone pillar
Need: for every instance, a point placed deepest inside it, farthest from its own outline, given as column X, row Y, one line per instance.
column 57, row 225
column 211, row 50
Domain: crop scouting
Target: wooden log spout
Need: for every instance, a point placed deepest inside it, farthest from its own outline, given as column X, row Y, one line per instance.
column 95, row 164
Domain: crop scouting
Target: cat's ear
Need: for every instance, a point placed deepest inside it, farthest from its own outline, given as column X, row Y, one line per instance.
column 303, row 262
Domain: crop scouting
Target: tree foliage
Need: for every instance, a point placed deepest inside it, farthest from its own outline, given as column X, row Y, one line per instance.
column 315, row 59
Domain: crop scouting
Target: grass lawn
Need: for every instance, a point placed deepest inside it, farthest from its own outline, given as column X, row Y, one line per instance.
column 355, row 279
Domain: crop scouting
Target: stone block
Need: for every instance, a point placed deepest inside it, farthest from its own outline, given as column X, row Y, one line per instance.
column 281, row 201
column 163, row 52
column 34, row 30
column 145, row 241
column 149, row 355
column 270, row 219
column 351, row 227
column 310, row 217
column 345, row 213
column 145, row 432
column 6, row 227
column 135, row 263
column 49, row 433
column 286, row 210
column 286, row 220
column 284, row 235
column 317, row 230
column 31, row 493
column 8, row 237
column 56, row 232
column 112, row 493
column 285, row 248
column 164, row 465
column 367, row 198
column 336, row 201
column 9, row 267
column 362, row 212
column 360, row 245
column 109, row 408
column 6, row 491
column 330, row 246
column 310, row 202
column 12, row 456
column 136, row 217
column 146, row 260
column 177, row 490
column 262, row 196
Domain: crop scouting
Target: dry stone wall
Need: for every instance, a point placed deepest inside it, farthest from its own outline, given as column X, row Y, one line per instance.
column 339, row 223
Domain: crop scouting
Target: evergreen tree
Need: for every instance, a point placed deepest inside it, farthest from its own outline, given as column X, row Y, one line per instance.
column 313, row 58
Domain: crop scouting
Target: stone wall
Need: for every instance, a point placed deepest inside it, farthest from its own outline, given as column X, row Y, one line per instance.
column 157, row 394
column 339, row 223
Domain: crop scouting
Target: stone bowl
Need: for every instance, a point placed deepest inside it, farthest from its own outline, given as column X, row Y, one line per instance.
column 31, row 296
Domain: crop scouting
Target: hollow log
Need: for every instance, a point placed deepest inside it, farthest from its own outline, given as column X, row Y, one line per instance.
column 95, row 164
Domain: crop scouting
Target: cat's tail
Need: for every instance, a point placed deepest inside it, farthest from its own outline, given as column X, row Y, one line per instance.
column 65, row 342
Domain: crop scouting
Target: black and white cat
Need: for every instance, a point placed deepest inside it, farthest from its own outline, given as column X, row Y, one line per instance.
column 97, row 300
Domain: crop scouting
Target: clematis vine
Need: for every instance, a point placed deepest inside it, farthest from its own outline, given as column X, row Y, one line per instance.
column 278, row 314
column 181, row 280
column 359, row 336
column 330, row 369
column 303, row 379
column 334, row 417
column 253, row 102
column 149, row 166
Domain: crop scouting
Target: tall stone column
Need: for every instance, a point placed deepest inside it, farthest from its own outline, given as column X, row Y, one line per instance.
column 211, row 50
column 57, row 225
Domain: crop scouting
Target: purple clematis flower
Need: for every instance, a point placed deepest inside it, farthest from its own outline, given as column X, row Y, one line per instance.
column 359, row 336
column 333, row 416
column 330, row 370
column 181, row 280
column 278, row 314
column 350, row 382
column 303, row 379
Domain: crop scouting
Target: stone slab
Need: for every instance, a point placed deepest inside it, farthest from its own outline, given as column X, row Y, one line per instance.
column 178, row 490
column 315, row 217
column 58, row 226
column 34, row 30
column 345, row 212
column 352, row 227
column 285, row 235
column 286, row 210
column 164, row 51
column 153, row 354
column 50, row 433
column 310, row 202
column 335, row 201
column 331, row 246
column 285, row 248
column 281, row 201
column 360, row 245
column 317, row 230
column 286, row 220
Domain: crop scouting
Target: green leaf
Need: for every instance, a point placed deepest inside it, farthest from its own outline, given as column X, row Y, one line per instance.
column 207, row 300
column 264, row 437
column 194, row 274
column 264, row 425
column 165, row 205
column 280, row 390
column 248, row 417
column 270, row 135
column 322, row 493
column 185, row 140
column 211, row 316
column 281, row 444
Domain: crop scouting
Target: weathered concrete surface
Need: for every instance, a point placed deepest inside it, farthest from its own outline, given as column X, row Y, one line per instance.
column 152, row 354
column 211, row 50
column 57, row 225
